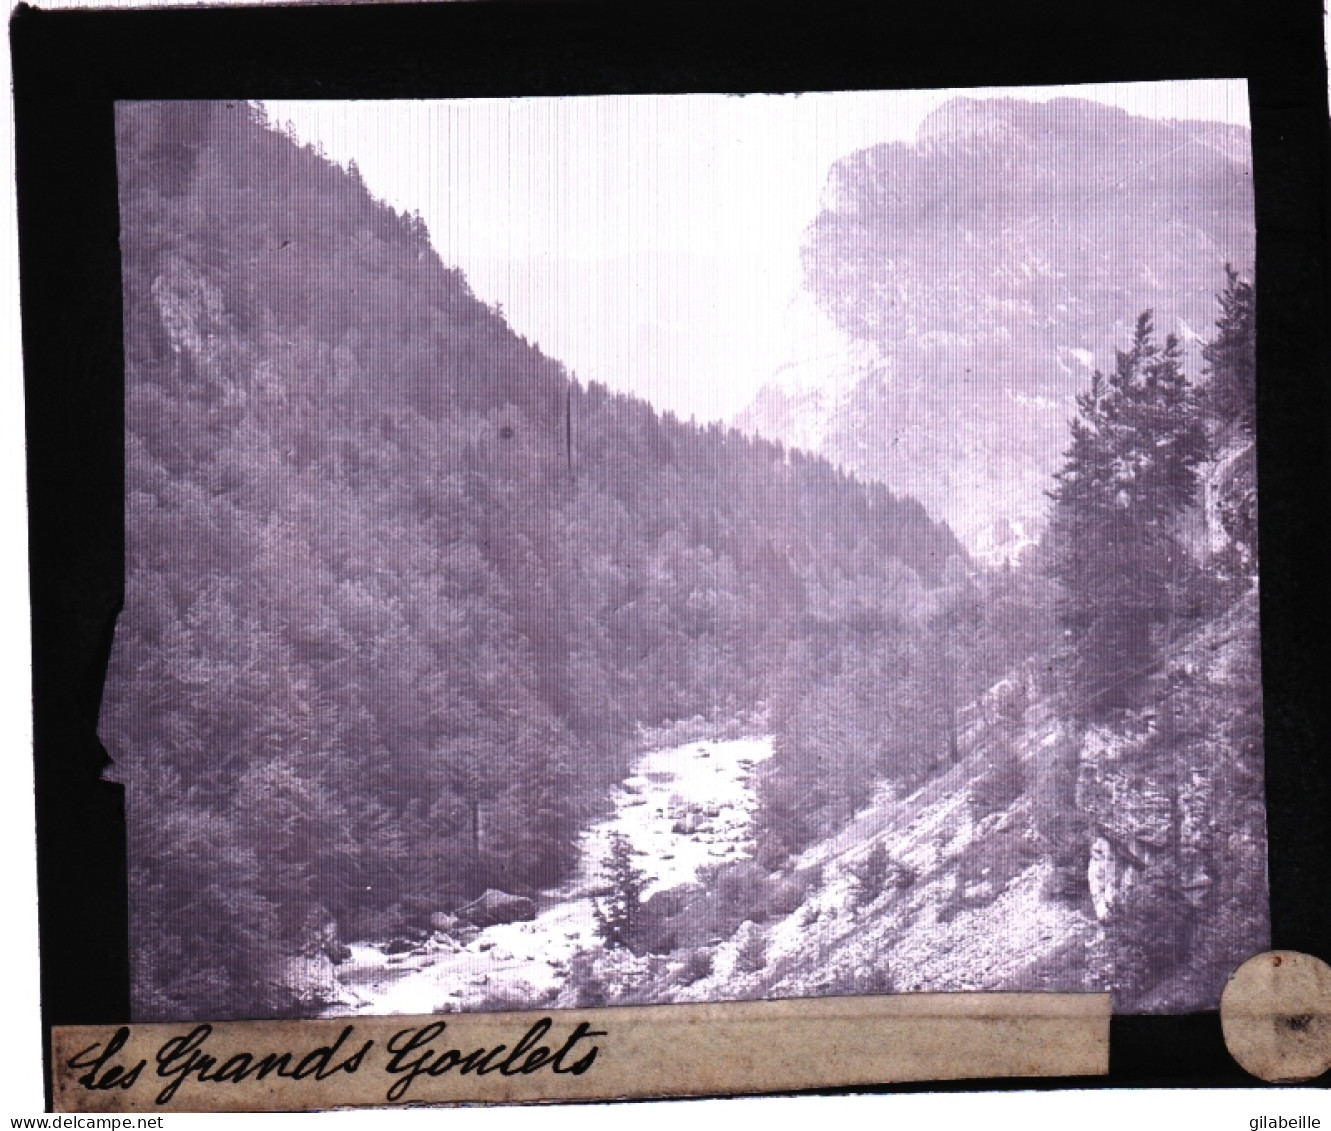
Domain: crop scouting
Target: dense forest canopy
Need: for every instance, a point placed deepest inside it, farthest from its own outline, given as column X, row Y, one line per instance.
column 399, row 591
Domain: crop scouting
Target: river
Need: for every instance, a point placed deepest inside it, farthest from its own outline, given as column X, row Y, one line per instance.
column 682, row 808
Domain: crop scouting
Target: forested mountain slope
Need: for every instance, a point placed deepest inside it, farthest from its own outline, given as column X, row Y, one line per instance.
column 398, row 591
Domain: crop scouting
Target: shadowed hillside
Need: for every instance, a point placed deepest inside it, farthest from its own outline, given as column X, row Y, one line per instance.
column 398, row 591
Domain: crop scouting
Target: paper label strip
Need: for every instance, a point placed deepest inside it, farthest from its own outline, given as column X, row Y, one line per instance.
column 591, row 1054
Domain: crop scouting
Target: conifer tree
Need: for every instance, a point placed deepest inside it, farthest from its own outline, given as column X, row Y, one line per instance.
column 617, row 916
column 1230, row 358
column 1129, row 472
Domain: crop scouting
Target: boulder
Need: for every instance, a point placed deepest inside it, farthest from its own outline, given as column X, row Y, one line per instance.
column 310, row 983
column 664, row 904
column 697, row 965
column 688, row 823
column 308, row 977
column 496, row 907
column 443, row 921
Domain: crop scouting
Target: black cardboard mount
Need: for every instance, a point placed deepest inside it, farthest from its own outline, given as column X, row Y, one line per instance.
column 71, row 66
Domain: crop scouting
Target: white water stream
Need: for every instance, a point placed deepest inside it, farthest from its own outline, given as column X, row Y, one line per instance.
column 682, row 808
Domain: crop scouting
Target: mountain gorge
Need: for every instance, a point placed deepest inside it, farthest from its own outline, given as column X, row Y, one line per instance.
column 399, row 593
column 1098, row 822
column 967, row 283
column 419, row 631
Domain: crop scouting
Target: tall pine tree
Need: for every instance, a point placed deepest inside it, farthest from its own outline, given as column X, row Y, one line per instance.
column 619, row 914
column 1230, row 358
column 1129, row 472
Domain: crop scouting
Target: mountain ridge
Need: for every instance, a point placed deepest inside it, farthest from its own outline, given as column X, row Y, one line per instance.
column 975, row 276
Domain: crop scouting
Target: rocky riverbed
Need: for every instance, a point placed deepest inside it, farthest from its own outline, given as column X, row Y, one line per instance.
column 682, row 808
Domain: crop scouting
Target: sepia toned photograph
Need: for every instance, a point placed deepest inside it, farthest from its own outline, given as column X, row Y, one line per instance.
column 628, row 550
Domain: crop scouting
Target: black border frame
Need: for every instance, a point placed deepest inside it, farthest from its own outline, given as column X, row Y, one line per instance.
column 70, row 67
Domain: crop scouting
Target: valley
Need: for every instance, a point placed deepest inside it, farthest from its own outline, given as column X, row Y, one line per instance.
column 446, row 681
column 682, row 809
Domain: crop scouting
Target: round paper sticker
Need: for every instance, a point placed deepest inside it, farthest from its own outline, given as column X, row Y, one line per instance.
column 1276, row 1016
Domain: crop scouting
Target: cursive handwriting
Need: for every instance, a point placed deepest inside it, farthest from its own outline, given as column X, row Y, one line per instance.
column 413, row 1055
column 112, row 1076
column 182, row 1057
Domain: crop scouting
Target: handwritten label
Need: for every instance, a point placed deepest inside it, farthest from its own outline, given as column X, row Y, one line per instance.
column 577, row 1055
column 412, row 1052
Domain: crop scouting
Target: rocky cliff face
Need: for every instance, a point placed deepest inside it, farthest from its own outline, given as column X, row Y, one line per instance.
column 1175, row 825
column 973, row 279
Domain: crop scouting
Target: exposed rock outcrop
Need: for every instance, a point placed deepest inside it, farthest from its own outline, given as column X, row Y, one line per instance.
column 308, row 979
column 980, row 273
column 1176, row 821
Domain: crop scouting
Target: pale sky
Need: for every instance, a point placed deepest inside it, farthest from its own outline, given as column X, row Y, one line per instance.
column 651, row 242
